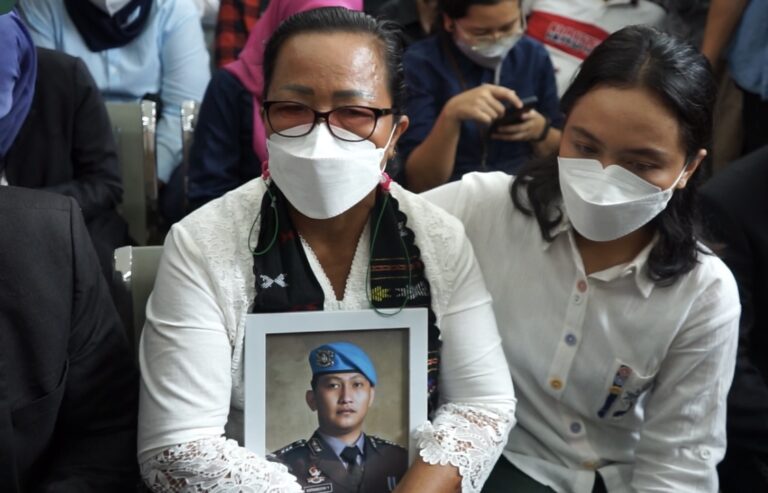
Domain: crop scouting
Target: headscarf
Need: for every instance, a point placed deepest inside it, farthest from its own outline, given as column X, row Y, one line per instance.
column 18, row 71
column 248, row 67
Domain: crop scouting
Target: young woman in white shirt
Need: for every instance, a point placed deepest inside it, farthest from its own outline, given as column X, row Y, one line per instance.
column 619, row 327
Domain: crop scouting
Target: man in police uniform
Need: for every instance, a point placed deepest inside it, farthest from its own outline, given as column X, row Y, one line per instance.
column 339, row 457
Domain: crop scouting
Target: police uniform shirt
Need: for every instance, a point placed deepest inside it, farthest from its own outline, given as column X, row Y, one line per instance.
column 338, row 446
column 319, row 469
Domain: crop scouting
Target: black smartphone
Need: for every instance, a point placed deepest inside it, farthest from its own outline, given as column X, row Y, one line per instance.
column 514, row 114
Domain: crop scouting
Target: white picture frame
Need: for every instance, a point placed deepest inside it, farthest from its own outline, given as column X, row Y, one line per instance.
column 409, row 324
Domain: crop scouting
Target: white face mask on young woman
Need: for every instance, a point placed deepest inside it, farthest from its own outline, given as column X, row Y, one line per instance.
column 488, row 55
column 604, row 204
column 322, row 176
column 110, row 7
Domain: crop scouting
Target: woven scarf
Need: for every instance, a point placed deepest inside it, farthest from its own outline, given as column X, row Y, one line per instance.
column 285, row 281
column 101, row 31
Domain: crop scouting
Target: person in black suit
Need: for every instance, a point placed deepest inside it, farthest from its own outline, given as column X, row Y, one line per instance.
column 340, row 457
column 68, row 386
column 735, row 204
column 66, row 146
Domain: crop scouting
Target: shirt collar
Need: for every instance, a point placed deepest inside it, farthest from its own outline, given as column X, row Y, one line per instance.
column 563, row 226
column 338, row 446
column 636, row 267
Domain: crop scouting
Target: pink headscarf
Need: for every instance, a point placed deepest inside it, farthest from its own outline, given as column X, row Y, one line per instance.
column 248, row 66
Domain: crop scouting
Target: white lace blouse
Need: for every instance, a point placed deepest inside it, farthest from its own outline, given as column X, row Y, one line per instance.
column 191, row 351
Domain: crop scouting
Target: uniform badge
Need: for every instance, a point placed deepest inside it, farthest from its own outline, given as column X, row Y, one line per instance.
column 315, row 475
column 315, row 446
column 325, row 358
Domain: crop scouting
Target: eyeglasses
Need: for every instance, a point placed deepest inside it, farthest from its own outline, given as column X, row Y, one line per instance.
column 518, row 27
column 292, row 119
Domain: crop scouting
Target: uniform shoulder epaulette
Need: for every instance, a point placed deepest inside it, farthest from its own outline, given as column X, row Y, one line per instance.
column 288, row 448
column 381, row 441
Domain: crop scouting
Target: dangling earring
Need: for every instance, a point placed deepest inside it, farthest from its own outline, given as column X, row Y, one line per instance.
column 265, row 170
column 385, row 181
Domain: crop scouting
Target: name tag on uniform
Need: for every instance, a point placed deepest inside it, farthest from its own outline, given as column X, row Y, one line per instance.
column 323, row 488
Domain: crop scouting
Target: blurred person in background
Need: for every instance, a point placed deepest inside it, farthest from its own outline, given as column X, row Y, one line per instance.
column 233, row 24
column 736, row 33
column 134, row 49
column 230, row 142
column 415, row 17
column 570, row 29
column 735, row 205
column 461, row 81
column 65, row 145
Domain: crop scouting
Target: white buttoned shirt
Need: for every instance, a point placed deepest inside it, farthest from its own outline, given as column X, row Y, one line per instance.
column 612, row 372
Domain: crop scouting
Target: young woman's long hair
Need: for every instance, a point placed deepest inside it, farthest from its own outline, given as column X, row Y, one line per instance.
column 639, row 57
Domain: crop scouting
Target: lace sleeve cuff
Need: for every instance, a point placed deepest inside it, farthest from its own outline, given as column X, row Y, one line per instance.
column 215, row 465
column 468, row 437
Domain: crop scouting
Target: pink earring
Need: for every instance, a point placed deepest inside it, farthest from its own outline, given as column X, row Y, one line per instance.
column 265, row 170
column 385, row 181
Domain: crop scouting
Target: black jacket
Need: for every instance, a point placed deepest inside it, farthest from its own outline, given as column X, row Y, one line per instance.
column 66, row 146
column 68, row 386
column 735, row 203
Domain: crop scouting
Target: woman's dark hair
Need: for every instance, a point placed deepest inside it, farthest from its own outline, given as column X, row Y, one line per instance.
column 681, row 78
column 456, row 9
column 338, row 19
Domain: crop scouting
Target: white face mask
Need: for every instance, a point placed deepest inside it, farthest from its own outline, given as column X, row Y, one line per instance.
column 110, row 7
column 604, row 204
column 322, row 176
column 488, row 55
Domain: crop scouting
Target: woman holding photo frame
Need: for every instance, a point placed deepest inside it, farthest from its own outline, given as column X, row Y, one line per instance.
column 322, row 229
column 623, row 349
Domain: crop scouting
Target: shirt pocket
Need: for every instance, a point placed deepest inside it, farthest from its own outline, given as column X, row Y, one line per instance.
column 42, row 411
column 624, row 387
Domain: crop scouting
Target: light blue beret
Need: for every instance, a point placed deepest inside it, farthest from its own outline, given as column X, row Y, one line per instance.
column 339, row 357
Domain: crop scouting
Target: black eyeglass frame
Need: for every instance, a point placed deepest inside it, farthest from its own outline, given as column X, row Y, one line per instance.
column 377, row 114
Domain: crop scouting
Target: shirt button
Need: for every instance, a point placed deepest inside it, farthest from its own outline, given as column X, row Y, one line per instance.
column 581, row 286
column 556, row 384
column 570, row 339
column 577, row 299
column 575, row 427
column 704, row 453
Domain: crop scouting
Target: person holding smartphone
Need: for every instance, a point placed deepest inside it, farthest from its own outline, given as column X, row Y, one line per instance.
column 620, row 328
column 461, row 81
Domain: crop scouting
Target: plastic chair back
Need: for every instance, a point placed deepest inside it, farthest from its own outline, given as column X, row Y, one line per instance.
column 135, row 269
column 189, row 111
column 134, row 127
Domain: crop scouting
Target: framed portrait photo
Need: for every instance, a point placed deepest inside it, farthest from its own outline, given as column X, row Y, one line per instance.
column 322, row 385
